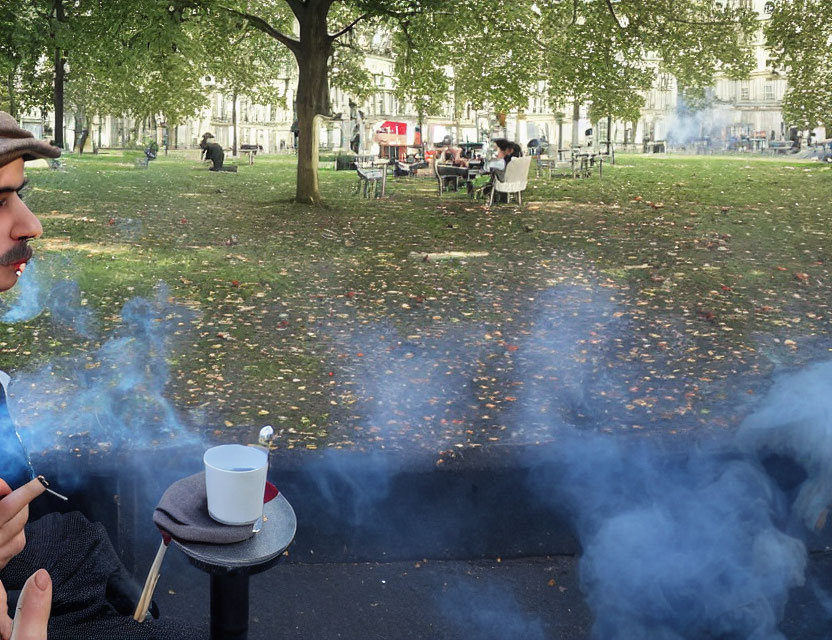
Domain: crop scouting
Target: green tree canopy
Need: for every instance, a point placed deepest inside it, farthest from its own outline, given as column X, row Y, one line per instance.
column 799, row 36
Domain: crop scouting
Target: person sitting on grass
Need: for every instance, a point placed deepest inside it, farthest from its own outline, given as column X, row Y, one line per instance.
column 212, row 151
column 62, row 559
column 151, row 151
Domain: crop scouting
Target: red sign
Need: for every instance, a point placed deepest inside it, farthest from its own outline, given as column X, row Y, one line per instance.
column 398, row 128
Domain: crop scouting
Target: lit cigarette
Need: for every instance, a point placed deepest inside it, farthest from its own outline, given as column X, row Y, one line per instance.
column 45, row 484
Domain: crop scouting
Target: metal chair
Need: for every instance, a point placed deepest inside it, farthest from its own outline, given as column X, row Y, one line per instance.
column 444, row 180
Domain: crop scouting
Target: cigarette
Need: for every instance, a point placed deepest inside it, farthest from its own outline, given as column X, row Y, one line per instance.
column 45, row 484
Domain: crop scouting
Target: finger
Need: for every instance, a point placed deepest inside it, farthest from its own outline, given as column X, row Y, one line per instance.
column 11, row 548
column 33, row 608
column 5, row 620
column 5, row 489
column 11, row 504
column 12, row 537
column 14, row 526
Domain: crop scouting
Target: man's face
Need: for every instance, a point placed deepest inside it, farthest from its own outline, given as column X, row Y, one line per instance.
column 17, row 225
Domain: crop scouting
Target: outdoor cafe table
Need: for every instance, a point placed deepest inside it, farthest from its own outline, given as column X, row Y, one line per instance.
column 230, row 566
column 466, row 173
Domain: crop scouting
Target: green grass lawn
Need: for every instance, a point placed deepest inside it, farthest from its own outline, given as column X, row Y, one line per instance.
column 715, row 267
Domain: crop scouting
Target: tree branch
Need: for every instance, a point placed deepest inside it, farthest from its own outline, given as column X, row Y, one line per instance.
column 349, row 27
column 259, row 23
column 612, row 13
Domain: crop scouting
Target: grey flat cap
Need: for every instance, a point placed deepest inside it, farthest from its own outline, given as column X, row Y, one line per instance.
column 16, row 142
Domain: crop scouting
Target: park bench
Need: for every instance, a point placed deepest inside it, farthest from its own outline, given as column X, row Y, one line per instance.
column 654, row 146
column 782, row 146
column 250, row 150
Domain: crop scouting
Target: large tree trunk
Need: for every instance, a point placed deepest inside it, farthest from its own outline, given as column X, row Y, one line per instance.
column 312, row 94
column 58, row 93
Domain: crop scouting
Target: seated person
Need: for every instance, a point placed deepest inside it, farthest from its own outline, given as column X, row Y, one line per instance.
column 213, row 152
column 92, row 594
column 151, row 151
column 451, row 155
column 505, row 151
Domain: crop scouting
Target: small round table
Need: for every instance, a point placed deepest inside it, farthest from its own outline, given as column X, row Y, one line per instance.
column 230, row 566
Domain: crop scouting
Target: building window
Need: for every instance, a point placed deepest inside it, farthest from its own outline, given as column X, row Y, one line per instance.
column 768, row 8
column 769, row 91
column 745, row 93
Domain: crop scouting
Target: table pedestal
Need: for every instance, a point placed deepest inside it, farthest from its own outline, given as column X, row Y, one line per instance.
column 229, row 606
column 230, row 566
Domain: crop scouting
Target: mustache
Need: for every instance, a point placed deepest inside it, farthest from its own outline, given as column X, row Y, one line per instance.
column 21, row 252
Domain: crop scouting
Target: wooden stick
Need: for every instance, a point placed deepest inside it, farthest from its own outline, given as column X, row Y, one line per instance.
column 150, row 584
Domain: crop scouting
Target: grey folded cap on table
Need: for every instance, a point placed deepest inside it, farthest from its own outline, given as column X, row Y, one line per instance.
column 16, row 142
column 183, row 513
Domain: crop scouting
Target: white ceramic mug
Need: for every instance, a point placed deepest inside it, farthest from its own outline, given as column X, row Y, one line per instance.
column 235, row 481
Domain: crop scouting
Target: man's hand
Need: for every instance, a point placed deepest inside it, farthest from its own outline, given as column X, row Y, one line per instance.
column 32, row 615
column 14, row 512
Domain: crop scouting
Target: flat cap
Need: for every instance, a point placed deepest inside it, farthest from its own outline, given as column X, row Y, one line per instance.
column 16, row 142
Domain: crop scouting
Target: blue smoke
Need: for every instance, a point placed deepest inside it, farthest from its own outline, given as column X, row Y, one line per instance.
column 488, row 611
column 675, row 546
column 41, row 288
column 114, row 397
